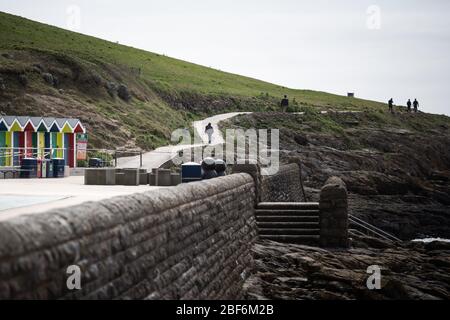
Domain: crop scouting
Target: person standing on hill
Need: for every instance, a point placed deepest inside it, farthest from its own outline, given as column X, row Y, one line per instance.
column 408, row 104
column 391, row 105
column 416, row 105
column 284, row 103
column 209, row 130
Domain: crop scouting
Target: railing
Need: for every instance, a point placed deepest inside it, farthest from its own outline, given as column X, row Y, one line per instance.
column 12, row 156
column 364, row 228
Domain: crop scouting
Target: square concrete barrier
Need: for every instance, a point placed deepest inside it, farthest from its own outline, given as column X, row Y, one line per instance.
column 120, row 178
column 152, row 179
column 175, row 179
column 100, row 176
column 131, row 177
column 143, row 176
column 163, row 178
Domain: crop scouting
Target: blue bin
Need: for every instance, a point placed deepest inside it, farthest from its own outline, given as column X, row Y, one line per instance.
column 58, row 167
column 190, row 172
column 29, row 168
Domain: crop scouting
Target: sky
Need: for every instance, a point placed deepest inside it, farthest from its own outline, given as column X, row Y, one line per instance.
column 378, row 49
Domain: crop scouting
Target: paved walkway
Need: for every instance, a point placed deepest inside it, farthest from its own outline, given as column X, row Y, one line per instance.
column 157, row 157
column 29, row 196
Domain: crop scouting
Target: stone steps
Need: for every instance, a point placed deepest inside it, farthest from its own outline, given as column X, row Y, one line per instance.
column 288, row 231
column 288, row 225
column 296, row 239
column 266, row 212
column 288, row 222
column 288, row 205
column 281, row 218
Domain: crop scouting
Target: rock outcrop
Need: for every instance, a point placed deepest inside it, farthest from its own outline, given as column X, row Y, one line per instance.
column 396, row 167
column 410, row 271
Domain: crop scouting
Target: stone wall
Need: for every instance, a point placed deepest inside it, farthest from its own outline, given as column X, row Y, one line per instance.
column 282, row 187
column 188, row 242
column 334, row 214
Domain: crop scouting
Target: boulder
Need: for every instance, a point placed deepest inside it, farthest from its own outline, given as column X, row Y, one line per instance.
column 124, row 93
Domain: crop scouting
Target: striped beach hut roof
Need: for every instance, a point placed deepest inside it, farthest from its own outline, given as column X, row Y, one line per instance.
column 3, row 125
column 23, row 121
column 48, row 122
column 42, row 124
column 9, row 120
column 36, row 121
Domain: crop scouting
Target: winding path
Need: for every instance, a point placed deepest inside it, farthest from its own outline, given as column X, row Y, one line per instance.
column 159, row 156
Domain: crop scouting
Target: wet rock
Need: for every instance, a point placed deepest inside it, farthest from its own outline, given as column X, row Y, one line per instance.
column 2, row 84
column 111, row 88
column 123, row 92
column 301, row 140
column 23, row 80
column 48, row 77
column 283, row 271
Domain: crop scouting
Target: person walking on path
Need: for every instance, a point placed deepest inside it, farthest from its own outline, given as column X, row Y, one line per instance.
column 408, row 104
column 284, row 103
column 391, row 105
column 416, row 105
column 209, row 130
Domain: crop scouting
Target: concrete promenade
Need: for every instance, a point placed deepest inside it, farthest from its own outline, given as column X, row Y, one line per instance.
column 29, row 196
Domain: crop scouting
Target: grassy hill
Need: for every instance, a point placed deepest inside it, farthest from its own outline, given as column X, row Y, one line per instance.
column 126, row 96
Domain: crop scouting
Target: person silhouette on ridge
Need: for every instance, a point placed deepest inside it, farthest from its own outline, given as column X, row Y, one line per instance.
column 284, row 103
column 416, row 105
column 408, row 104
column 391, row 105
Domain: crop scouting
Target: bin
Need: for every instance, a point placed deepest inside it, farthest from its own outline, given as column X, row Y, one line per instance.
column 221, row 167
column 209, row 168
column 29, row 168
column 191, row 171
column 58, row 167
column 95, row 163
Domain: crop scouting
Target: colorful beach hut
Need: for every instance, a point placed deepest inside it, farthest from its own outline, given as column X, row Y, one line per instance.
column 38, row 137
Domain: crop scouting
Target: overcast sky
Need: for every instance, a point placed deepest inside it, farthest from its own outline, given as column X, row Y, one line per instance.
column 378, row 49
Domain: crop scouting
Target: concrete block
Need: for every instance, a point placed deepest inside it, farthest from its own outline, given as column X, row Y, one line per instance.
column 131, row 177
column 143, row 178
column 152, row 179
column 100, row 176
column 163, row 178
column 175, row 179
column 120, row 178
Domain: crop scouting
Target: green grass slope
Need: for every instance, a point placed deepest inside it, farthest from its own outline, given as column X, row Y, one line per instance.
column 127, row 97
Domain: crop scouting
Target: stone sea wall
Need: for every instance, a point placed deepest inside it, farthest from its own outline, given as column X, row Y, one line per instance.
column 282, row 187
column 188, row 242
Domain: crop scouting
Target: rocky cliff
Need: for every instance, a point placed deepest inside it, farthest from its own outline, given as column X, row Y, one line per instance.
column 396, row 166
column 409, row 271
